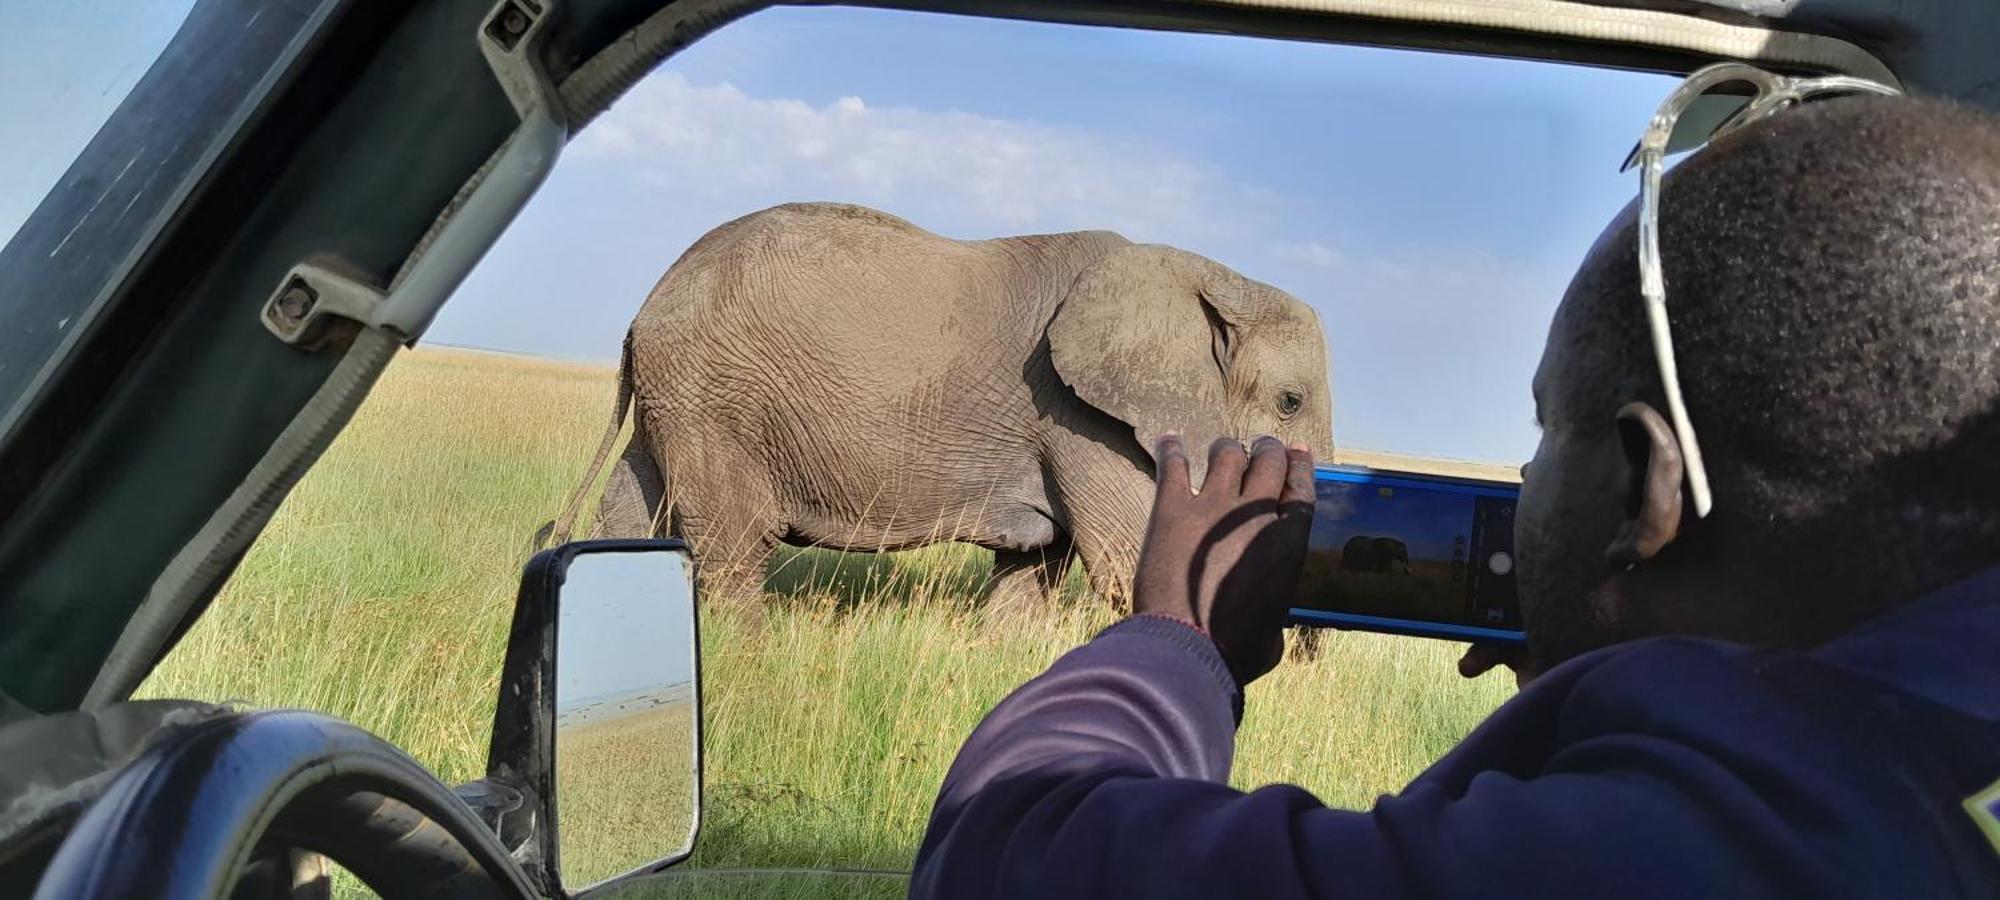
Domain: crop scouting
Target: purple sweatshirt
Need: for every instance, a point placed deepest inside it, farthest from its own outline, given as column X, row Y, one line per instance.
column 1670, row 767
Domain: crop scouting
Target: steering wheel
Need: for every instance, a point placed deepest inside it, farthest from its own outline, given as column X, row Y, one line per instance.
column 188, row 817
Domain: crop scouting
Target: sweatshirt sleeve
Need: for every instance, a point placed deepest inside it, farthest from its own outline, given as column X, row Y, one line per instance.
column 1148, row 702
column 1148, row 696
column 1669, row 774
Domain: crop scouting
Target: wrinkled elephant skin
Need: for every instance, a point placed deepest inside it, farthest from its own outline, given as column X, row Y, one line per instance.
column 829, row 375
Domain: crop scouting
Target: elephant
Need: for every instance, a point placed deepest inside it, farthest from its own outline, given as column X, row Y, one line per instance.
column 1379, row 555
column 829, row 375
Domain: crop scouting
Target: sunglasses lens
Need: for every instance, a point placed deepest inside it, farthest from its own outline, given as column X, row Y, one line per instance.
column 1708, row 113
column 1700, row 118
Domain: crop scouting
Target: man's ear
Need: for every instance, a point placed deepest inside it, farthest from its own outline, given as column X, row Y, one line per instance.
column 1653, row 498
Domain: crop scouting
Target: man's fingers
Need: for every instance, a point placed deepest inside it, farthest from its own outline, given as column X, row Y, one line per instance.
column 1295, row 504
column 1482, row 658
column 1266, row 475
column 1170, row 459
column 1299, row 495
column 1225, row 467
column 1478, row 660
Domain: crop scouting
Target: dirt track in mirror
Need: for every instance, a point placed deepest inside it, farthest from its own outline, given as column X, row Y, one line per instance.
column 381, row 593
column 624, row 786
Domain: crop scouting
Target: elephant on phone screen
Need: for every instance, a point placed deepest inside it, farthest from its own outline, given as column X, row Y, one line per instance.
column 828, row 375
column 1375, row 555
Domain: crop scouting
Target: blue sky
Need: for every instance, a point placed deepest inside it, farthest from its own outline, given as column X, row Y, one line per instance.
column 63, row 68
column 624, row 623
column 1430, row 207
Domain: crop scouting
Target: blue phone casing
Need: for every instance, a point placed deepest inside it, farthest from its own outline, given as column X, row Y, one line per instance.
column 1433, row 485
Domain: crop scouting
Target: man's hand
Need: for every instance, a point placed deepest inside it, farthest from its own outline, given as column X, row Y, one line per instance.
column 1227, row 559
column 1482, row 658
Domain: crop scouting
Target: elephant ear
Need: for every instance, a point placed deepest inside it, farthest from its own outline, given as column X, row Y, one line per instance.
column 1145, row 335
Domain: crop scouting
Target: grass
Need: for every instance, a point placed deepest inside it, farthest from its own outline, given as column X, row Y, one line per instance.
column 381, row 593
column 624, row 791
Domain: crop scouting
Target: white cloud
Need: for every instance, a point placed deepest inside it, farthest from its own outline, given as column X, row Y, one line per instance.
column 944, row 169
column 1311, row 253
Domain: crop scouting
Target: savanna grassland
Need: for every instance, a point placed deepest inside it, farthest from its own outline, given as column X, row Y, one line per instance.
column 627, row 779
column 382, row 591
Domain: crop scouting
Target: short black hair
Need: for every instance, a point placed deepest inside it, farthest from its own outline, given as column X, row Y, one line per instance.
column 1833, row 284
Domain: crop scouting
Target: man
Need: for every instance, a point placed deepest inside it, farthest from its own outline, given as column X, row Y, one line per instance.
column 1798, row 695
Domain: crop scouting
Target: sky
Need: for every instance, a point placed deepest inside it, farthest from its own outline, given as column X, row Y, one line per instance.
column 1425, row 521
column 1430, row 207
column 623, row 622
column 49, row 78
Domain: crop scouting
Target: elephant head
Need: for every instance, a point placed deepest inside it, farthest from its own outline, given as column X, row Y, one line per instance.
column 1165, row 340
column 1358, row 554
column 1377, row 555
column 1394, row 554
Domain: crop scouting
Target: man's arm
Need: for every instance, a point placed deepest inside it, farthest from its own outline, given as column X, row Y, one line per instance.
column 1147, row 711
column 1115, row 756
column 1148, row 694
column 1159, row 694
column 1104, row 778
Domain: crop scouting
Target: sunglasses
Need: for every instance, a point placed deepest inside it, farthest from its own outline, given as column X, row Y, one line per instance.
column 1712, row 102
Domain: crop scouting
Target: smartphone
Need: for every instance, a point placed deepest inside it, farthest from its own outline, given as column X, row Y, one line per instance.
column 1410, row 553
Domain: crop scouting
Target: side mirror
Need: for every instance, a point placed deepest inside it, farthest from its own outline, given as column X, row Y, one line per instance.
column 595, row 766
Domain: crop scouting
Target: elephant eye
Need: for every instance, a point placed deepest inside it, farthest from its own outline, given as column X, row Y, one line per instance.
column 1289, row 403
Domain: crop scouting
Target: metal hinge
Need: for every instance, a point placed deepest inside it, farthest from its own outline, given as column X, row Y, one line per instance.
column 509, row 37
column 311, row 292
column 511, row 31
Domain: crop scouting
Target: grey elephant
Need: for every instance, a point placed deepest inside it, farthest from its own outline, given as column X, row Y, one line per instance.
column 1379, row 555
column 829, row 375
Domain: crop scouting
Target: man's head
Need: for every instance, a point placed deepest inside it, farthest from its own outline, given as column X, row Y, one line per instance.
column 1833, row 280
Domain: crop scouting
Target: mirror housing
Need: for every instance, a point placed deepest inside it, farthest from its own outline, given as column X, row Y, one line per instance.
column 517, row 799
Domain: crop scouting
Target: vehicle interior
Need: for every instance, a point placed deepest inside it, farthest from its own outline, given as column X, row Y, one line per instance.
column 332, row 171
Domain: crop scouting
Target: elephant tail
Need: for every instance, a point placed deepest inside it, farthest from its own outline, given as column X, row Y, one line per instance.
column 558, row 532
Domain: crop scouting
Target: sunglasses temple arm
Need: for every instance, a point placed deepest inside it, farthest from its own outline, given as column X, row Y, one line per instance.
column 1652, row 284
column 1663, row 347
column 1773, row 93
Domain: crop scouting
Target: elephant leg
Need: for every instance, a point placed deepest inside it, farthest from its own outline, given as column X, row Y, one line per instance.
column 732, row 533
column 1109, row 560
column 1101, row 485
column 1027, row 580
column 633, row 495
column 730, row 559
column 735, row 579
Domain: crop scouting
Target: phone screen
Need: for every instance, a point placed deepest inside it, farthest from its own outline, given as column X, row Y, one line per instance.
column 1411, row 554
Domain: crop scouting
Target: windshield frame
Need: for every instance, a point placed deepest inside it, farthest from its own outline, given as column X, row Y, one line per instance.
column 76, row 190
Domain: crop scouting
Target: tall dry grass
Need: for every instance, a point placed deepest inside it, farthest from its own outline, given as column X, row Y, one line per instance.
column 381, row 594
column 624, row 791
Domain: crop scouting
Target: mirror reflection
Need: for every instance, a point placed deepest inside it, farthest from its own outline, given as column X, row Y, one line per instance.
column 626, row 744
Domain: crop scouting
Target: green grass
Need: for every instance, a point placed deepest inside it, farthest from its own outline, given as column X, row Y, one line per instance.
column 381, row 593
column 624, row 791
